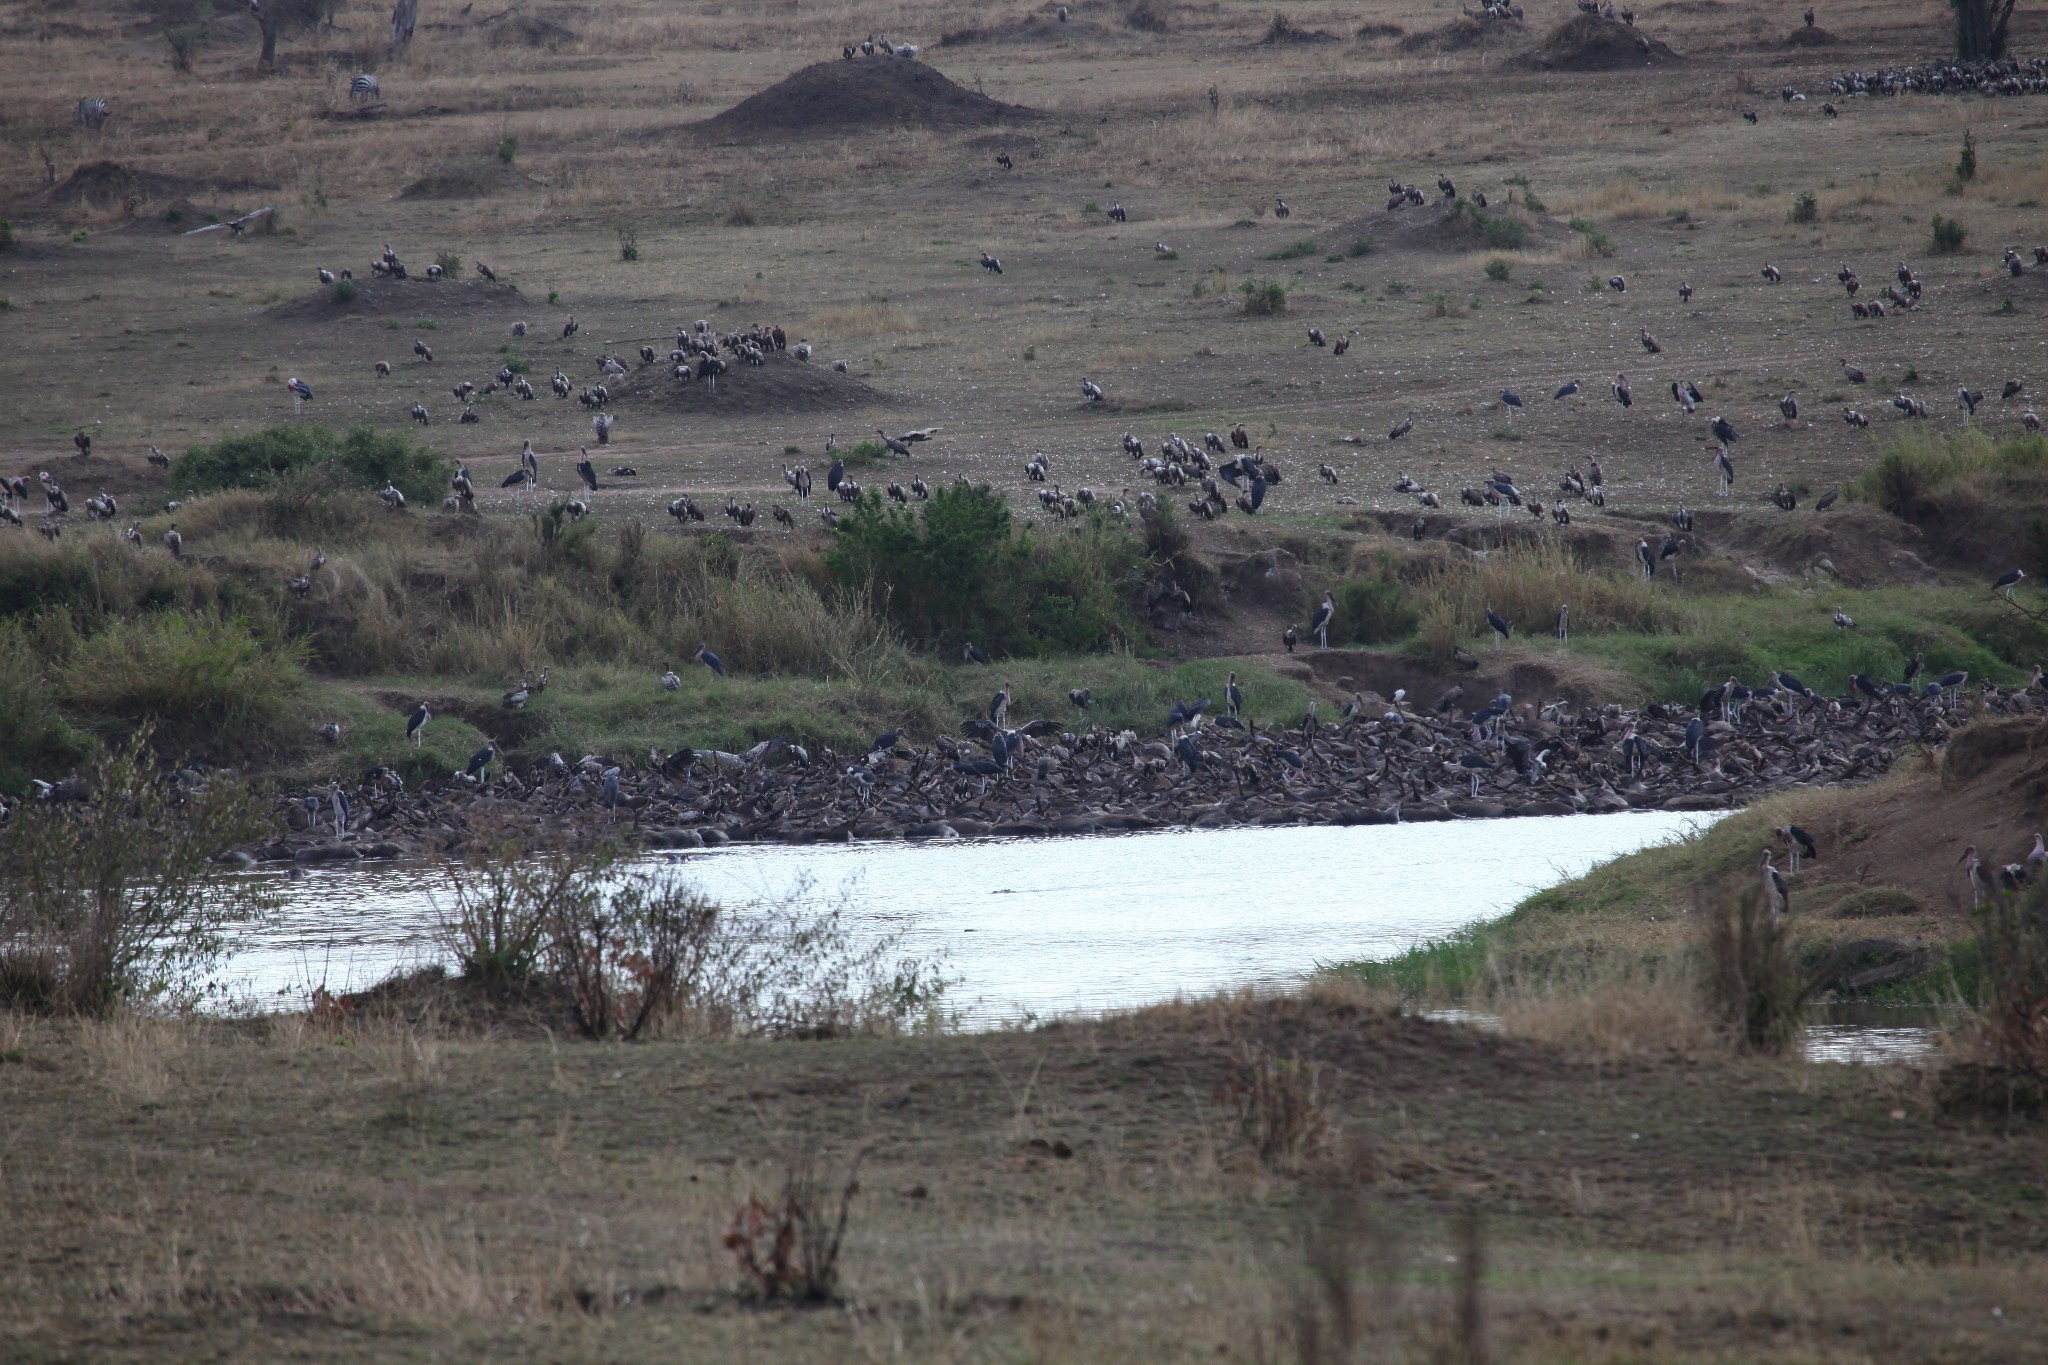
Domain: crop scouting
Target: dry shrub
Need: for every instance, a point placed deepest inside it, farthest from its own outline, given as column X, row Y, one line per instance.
column 789, row 1248
column 1752, row 982
column 1279, row 1106
column 740, row 214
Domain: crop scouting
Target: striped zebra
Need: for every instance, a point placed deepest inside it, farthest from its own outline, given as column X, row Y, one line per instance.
column 363, row 86
column 91, row 112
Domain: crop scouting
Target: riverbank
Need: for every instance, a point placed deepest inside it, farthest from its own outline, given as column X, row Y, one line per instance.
column 346, row 1189
column 1883, row 912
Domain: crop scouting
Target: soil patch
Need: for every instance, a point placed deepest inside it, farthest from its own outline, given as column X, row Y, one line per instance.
column 1368, row 33
column 525, row 30
column 409, row 298
column 477, row 178
column 1592, row 42
column 782, row 384
column 839, row 95
column 106, row 186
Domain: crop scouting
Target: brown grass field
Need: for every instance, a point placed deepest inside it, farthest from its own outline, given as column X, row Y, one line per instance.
column 378, row 1189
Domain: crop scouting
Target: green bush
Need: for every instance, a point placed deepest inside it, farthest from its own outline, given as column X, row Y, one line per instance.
column 1948, row 235
column 1805, row 208
column 508, row 147
column 361, row 457
column 206, row 683
column 344, row 290
column 1966, row 162
column 1372, row 611
column 1264, row 298
column 957, row 569
column 1294, row 250
column 35, row 739
column 1499, row 268
column 1360, row 246
column 1531, row 202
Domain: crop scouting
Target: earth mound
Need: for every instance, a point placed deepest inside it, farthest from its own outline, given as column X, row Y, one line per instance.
column 1458, row 226
column 1466, row 32
column 1283, row 32
column 477, row 178
column 1811, row 35
column 1593, row 42
column 863, row 93
column 379, row 297
column 782, row 384
column 107, row 186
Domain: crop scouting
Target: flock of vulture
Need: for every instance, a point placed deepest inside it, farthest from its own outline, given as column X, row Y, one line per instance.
column 1384, row 760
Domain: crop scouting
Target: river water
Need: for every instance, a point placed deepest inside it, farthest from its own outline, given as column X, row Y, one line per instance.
column 1035, row 927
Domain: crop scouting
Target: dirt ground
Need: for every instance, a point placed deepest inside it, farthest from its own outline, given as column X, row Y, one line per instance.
column 1083, row 1192
column 867, row 244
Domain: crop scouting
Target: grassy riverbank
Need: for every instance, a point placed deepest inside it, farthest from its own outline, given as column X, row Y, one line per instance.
column 353, row 1188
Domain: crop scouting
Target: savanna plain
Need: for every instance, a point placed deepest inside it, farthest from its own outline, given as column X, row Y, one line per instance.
column 627, row 1124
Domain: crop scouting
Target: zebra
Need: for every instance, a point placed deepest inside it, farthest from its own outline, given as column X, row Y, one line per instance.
column 91, row 112
column 363, row 86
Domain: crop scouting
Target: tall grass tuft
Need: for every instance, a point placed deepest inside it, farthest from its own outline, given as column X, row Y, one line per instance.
column 1526, row 584
column 2009, row 1070
column 1752, row 981
column 1915, row 467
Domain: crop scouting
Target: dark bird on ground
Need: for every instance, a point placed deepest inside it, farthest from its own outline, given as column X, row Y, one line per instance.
column 711, row 661
column 2010, row 391
column 233, row 225
column 1288, row 639
column 1569, row 389
column 1749, row 116
column 1080, row 697
column 1855, row 418
column 1802, row 845
column 174, row 542
column 973, row 655
column 1789, row 405
column 2008, row 581
column 1091, row 390
column 1684, row 292
column 420, row 349
column 1771, row 273
column 1724, row 431
column 1513, row 401
column 1844, row 621
column 1406, row 425
column 991, row 264
column 416, row 724
column 1852, row 373
column 1647, row 558
column 1563, row 626
column 1777, row 892
column 1827, row 499
column 1500, row 627
column 1649, row 342
column 587, row 472
column 1617, row 283
column 1319, row 623
column 480, row 762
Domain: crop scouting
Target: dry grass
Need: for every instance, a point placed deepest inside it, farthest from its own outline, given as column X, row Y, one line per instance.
column 135, row 1055
column 1526, row 584
column 859, row 322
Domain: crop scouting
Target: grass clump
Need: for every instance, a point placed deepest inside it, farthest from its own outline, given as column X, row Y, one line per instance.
column 1915, row 468
column 1360, row 246
column 1499, row 269
column 205, row 683
column 1295, row 250
column 361, row 457
column 1501, row 231
column 1598, row 242
column 1948, row 235
column 740, row 214
column 1264, row 298
column 1372, row 611
column 344, row 290
column 508, row 148
column 1805, row 207
column 1753, row 985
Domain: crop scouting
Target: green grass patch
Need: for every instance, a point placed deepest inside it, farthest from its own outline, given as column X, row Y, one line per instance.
column 1295, row 250
column 1597, row 240
column 1264, row 298
column 360, row 457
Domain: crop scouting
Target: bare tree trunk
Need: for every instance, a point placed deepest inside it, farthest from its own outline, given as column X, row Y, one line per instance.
column 1981, row 28
column 402, row 19
column 268, row 59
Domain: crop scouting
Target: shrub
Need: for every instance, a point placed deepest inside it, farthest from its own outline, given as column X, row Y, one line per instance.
column 1279, row 1106
column 361, row 457
column 2011, row 933
column 1914, row 468
column 1948, row 235
column 1372, row 611
column 508, row 148
column 1499, row 268
column 1264, row 299
column 789, row 1249
column 344, row 290
column 740, row 214
column 184, row 40
column 1360, row 246
column 204, row 682
column 1805, row 208
column 450, row 263
column 629, row 243
column 35, row 738
column 116, row 898
column 1966, row 162
column 1295, row 250
column 1596, row 240
column 1531, row 202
